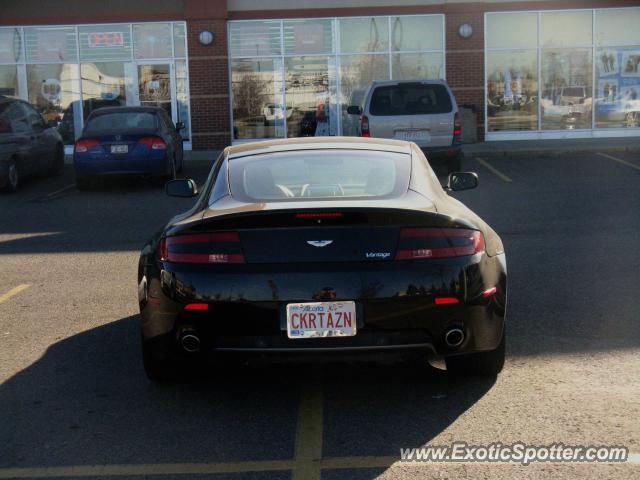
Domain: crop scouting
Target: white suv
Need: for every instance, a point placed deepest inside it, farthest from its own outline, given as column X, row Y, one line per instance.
column 424, row 112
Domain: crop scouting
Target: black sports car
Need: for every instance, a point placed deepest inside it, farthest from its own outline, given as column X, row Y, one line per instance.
column 324, row 245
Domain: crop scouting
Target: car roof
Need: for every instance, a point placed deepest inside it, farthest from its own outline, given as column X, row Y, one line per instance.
column 318, row 143
column 105, row 110
column 378, row 83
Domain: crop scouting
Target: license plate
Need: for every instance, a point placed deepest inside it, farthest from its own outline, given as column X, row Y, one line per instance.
column 119, row 148
column 413, row 135
column 321, row 319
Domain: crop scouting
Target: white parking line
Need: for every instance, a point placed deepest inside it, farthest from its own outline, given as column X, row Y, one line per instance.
column 619, row 160
column 493, row 170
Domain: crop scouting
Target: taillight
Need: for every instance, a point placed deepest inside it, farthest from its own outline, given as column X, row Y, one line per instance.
column 153, row 143
column 85, row 145
column 457, row 128
column 364, row 126
column 423, row 243
column 222, row 247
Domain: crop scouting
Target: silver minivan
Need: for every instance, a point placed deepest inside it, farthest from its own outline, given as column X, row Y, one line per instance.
column 424, row 112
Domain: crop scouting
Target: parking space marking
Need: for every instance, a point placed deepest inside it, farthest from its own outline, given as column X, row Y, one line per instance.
column 13, row 292
column 619, row 160
column 309, row 431
column 493, row 170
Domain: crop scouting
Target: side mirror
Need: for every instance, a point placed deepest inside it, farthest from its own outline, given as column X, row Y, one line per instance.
column 354, row 110
column 179, row 126
column 462, row 181
column 182, row 187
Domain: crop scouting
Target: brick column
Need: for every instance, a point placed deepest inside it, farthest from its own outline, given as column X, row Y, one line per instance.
column 208, row 75
column 465, row 62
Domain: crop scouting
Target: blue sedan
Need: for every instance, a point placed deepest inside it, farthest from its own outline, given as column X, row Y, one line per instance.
column 131, row 141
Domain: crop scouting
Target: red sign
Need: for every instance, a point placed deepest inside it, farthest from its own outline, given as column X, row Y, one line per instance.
column 106, row 39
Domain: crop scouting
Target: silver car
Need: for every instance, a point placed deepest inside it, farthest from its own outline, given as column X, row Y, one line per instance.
column 424, row 112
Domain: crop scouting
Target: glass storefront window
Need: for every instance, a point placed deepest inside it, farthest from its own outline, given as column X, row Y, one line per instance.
column 50, row 44
column 258, row 109
column 325, row 66
column 617, row 87
column 356, row 73
column 182, row 98
column 179, row 40
column 152, row 40
column 512, row 90
column 566, row 98
column 417, row 66
column 254, row 39
column 414, row 33
column 11, row 45
column 103, row 43
column 589, row 70
column 368, row 34
column 310, row 94
column 53, row 89
column 566, row 29
column 308, row 37
column 512, row 30
column 9, row 81
column 618, row 27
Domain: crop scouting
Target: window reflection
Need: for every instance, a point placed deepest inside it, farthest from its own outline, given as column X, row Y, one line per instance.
column 368, row 34
column 8, row 81
column 257, row 104
column 311, row 105
column 512, row 90
column 417, row 66
column 618, row 87
column 566, row 101
column 356, row 73
column 54, row 88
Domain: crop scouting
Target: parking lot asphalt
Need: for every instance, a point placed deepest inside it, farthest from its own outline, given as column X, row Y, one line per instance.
column 74, row 401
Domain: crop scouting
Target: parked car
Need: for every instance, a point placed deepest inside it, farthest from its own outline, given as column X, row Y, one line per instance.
column 424, row 112
column 28, row 146
column 327, row 244
column 131, row 141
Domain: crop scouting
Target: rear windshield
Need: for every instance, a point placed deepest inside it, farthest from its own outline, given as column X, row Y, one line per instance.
column 410, row 99
column 122, row 120
column 319, row 174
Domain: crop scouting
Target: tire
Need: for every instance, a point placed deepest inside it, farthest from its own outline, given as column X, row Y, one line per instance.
column 483, row 364
column 13, row 177
column 57, row 168
column 455, row 164
column 158, row 364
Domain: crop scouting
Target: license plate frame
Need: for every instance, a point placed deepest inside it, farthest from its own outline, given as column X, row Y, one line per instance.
column 119, row 149
column 343, row 319
column 413, row 135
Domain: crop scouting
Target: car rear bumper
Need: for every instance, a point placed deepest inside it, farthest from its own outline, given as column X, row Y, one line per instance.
column 396, row 307
column 86, row 167
column 441, row 154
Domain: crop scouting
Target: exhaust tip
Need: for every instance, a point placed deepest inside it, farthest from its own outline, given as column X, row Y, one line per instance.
column 454, row 337
column 190, row 342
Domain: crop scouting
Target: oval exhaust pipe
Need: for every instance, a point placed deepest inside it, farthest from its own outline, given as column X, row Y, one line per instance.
column 454, row 337
column 190, row 342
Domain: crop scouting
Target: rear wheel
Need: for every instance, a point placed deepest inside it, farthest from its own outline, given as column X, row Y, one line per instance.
column 57, row 168
column 481, row 364
column 13, row 178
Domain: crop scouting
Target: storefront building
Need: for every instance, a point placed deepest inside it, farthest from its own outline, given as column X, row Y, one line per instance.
column 242, row 70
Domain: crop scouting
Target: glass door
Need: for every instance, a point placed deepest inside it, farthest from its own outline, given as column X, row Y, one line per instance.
column 156, row 86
